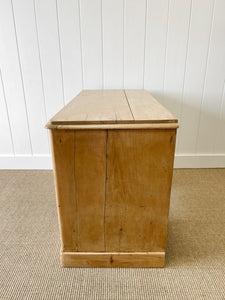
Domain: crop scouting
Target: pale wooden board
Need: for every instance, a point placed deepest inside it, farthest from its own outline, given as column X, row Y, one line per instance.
column 114, row 126
column 113, row 259
column 63, row 162
column 79, row 159
column 140, row 165
column 113, row 107
column 90, row 172
column 145, row 107
column 95, row 106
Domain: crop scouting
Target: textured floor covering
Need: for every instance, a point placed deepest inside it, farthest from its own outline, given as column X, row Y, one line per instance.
column 29, row 244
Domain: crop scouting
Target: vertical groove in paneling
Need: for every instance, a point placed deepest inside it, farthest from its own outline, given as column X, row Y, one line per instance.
column 25, row 104
column 222, row 101
column 176, row 60
column 113, row 39
column 102, row 46
column 31, row 73
column 195, row 71
column 184, row 76
column 81, row 49
column 70, row 48
column 187, row 47
column 7, row 113
column 134, row 43
column 157, row 16
column 146, row 10
column 12, row 80
column 124, row 3
column 41, row 70
column 39, row 55
column 166, row 46
column 214, row 82
column 113, row 44
column 50, row 55
column 206, row 70
column 219, row 142
column 60, row 50
column 91, row 43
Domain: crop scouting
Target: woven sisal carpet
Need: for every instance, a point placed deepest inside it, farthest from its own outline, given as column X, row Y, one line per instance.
column 29, row 244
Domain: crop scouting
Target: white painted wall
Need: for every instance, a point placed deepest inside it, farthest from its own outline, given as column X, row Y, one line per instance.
column 51, row 49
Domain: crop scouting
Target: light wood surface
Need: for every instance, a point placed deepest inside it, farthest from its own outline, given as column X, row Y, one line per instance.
column 145, row 107
column 113, row 259
column 113, row 186
column 90, row 170
column 140, row 165
column 79, row 159
column 95, row 106
column 114, row 126
column 63, row 164
column 112, row 107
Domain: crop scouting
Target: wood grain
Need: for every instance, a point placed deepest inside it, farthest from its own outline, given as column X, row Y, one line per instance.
column 90, row 170
column 113, row 259
column 114, row 126
column 113, row 186
column 140, row 165
column 95, row 106
column 145, row 107
column 113, row 107
column 63, row 162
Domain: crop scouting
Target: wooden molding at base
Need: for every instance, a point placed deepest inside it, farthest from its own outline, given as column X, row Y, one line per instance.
column 113, row 259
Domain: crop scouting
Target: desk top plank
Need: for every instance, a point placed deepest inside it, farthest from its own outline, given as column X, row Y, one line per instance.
column 145, row 107
column 112, row 107
column 95, row 106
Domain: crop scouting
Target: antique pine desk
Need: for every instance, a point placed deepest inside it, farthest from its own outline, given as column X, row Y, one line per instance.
column 113, row 153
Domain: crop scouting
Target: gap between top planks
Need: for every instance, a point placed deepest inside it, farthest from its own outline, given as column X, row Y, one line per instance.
column 93, row 107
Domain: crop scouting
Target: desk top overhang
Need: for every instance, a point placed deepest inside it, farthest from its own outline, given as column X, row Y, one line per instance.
column 113, row 109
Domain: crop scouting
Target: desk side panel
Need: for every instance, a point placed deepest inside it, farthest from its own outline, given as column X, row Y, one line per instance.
column 140, row 167
column 79, row 159
column 63, row 155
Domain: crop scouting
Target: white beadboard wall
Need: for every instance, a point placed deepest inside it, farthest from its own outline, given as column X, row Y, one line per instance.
column 52, row 49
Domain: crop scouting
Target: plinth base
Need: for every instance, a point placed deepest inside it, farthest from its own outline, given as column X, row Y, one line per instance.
column 113, row 259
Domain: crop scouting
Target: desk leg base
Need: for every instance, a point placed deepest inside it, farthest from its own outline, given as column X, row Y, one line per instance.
column 113, row 259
